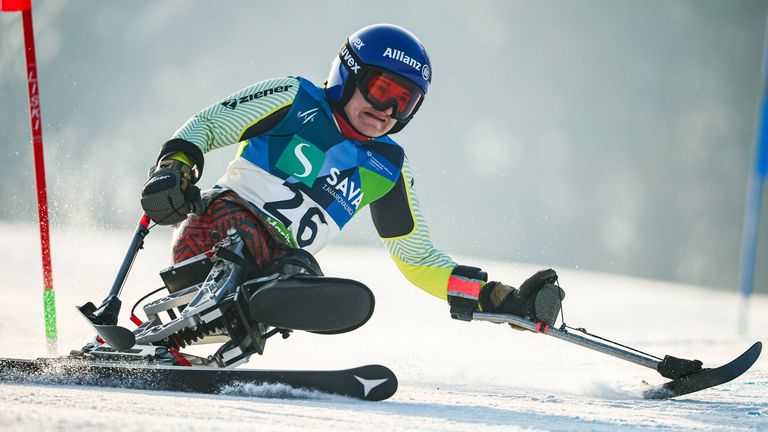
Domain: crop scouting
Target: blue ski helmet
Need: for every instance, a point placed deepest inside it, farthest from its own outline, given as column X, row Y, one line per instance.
column 381, row 54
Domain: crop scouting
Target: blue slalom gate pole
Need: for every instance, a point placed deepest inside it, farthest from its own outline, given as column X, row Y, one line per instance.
column 757, row 181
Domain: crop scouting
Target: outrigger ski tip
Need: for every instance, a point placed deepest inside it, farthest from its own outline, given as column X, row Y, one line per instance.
column 706, row 378
column 687, row 376
column 119, row 338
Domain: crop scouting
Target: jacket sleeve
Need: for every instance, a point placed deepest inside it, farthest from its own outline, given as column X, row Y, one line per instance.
column 247, row 113
column 401, row 225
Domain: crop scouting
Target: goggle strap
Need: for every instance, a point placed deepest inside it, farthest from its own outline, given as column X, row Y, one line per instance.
column 345, row 53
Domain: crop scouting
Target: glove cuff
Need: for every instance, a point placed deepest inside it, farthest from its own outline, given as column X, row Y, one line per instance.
column 463, row 290
column 466, row 282
column 189, row 149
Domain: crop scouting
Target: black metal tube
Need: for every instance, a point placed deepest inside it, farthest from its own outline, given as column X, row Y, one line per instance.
column 133, row 249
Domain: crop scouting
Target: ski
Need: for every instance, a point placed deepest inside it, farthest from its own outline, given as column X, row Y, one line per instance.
column 371, row 382
column 706, row 378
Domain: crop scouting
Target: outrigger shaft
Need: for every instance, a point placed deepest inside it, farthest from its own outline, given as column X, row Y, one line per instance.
column 670, row 367
column 104, row 318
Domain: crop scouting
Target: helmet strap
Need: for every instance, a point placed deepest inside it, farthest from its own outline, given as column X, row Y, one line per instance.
column 397, row 127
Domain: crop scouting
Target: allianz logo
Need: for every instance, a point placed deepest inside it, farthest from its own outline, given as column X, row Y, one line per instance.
column 412, row 62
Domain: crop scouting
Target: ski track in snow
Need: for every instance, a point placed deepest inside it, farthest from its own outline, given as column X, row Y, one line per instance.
column 454, row 376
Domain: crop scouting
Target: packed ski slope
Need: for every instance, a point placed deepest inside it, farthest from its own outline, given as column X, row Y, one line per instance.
column 454, row 376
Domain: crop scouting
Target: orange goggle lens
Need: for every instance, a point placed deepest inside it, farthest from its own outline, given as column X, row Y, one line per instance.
column 384, row 90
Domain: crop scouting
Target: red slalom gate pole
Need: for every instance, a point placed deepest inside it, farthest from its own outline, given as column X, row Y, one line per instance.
column 49, row 299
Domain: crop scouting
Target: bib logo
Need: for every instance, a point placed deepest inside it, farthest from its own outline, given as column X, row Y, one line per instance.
column 345, row 192
column 308, row 116
column 301, row 160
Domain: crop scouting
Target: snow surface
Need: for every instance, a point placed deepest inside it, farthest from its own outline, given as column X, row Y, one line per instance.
column 454, row 376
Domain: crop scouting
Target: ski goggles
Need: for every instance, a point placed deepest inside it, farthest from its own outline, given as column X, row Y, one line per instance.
column 383, row 90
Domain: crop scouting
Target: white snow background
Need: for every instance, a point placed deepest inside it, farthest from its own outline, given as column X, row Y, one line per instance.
column 454, row 376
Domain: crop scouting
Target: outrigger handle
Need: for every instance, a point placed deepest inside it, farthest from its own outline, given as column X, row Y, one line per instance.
column 107, row 313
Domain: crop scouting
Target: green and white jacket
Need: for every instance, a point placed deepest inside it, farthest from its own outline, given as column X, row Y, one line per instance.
column 295, row 166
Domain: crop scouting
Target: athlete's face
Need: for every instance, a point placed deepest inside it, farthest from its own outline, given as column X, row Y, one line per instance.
column 367, row 119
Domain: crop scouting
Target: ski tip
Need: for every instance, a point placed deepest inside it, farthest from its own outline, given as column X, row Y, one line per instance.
column 707, row 378
column 756, row 349
column 376, row 382
column 752, row 354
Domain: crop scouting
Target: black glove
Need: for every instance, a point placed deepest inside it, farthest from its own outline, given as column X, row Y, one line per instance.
column 169, row 194
column 538, row 298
